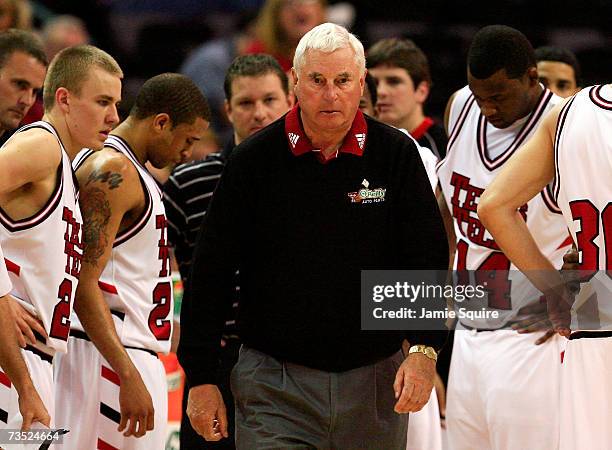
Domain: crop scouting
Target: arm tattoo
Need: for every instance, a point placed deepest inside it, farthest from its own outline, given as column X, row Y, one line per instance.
column 96, row 213
column 114, row 179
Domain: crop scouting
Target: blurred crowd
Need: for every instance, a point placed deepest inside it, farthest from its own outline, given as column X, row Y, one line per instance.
column 201, row 38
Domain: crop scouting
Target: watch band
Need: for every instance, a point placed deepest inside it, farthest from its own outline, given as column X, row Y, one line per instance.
column 430, row 352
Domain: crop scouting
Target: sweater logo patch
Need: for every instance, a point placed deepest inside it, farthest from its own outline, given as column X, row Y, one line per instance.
column 360, row 139
column 293, row 138
column 366, row 195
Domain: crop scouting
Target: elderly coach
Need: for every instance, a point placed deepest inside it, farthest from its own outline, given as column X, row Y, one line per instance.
column 287, row 214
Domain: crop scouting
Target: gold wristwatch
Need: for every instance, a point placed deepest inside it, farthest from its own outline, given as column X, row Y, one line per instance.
column 426, row 350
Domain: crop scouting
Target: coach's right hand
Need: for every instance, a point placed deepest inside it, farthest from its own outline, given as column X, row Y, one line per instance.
column 206, row 411
column 136, row 406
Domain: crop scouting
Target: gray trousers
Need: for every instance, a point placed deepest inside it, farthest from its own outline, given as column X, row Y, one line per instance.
column 288, row 406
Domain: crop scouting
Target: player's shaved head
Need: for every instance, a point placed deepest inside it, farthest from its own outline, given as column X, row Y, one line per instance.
column 498, row 47
column 71, row 67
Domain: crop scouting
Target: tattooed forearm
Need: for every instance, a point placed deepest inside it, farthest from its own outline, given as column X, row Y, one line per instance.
column 96, row 214
column 113, row 179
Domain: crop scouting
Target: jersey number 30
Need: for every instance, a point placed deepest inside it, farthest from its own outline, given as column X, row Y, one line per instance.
column 587, row 214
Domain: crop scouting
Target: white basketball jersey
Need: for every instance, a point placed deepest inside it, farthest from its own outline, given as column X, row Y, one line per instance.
column 5, row 281
column 136, row 281
column 464, row 174
column 583, row 163
column 43, row 252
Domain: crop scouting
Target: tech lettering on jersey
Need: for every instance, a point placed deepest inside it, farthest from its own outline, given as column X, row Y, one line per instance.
column 464, row 204
column 73, row 247
column 161, row 223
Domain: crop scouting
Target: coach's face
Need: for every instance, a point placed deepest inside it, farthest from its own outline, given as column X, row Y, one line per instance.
column 93, row 111
column 328, row 87
column 21, row 78
column 504, row 100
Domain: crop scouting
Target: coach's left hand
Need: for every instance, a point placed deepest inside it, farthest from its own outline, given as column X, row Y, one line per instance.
column 413, row 383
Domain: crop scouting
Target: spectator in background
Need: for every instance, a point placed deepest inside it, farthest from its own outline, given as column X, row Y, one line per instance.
column 20, row 79
column 281, row 24
column 257, row 94
column 558, row 70
column 63, row 31
column 207, row 65
column 58, row 33
column 402, row 74
column 15, row 14
column 367, row 102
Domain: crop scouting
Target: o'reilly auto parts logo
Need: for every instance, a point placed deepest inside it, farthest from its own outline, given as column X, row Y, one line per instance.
column 366, row 195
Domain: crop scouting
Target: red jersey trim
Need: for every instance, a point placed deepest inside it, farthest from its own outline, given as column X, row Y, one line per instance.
column 109, row 375
column 12, row 267
column 299, row 144
column 481, row 134
column 106, row 287
column 558, row 130
column 597, row 98
column 54, row 199
column 456, row 129
column 102, row 445
column 4, row 379
column 120, row 145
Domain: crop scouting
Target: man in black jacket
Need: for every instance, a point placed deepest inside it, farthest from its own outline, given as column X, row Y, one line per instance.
column 286, row 216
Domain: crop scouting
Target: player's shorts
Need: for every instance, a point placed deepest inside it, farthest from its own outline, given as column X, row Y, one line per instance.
column 424, row 429
column 41, row 373
column 503, row 391
column 87, row 399
column 585, row 394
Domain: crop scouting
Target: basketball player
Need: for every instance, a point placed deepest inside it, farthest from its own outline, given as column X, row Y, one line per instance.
column 39, row 217
column 13, row 366
column 494, row 369
column 22, row 70
column 126, row 264
column 572, row 146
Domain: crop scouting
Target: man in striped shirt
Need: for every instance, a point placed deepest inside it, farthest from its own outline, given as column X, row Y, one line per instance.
column 256, row 94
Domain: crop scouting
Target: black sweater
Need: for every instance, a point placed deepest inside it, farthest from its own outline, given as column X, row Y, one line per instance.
column 288, row 223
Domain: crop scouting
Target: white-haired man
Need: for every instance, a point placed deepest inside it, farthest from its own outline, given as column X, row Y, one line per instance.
column 283, row 214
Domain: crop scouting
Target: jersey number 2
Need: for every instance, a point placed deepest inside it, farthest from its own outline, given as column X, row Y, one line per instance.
column 60, row 324
column 159, row 325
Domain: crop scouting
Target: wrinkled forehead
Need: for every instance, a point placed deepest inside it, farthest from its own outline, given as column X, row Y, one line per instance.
column 330, row 64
